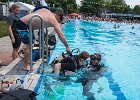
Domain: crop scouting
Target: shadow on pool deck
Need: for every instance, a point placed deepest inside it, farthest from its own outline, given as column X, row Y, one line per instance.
column 17, row 70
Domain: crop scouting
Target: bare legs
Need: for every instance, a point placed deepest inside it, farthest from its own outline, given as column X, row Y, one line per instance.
column 26, row 57
column 15, row 53
column 86, row 89
column 57, row 68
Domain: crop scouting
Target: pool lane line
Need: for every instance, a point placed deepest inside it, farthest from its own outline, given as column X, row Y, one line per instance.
column 114, row 86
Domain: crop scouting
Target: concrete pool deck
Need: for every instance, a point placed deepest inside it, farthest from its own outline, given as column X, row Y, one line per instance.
column 15, row 67
column 5, row 51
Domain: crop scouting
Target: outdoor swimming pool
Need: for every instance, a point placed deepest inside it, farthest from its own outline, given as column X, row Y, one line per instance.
column 120, row 49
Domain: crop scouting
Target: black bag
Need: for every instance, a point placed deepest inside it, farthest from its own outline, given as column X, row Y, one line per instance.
column 20, row 94
column 52, row 40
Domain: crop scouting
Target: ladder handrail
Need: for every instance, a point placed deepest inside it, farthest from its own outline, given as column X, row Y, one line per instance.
column 41, row 41
column 46, row 46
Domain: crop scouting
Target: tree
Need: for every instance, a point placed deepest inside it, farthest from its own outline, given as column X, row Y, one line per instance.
column 118, row 6
column 136, row 9
column 90, row 6
column 4, row 1
column 68, row 6
column 128, row 10
column 26, row 1
column 104, row 6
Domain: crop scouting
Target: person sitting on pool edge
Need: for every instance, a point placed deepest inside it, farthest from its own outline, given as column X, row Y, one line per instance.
column 71, row 64
column 50, row 20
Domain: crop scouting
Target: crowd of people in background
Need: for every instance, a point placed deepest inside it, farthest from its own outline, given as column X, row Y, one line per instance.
column 117, row 20
column 129, row 20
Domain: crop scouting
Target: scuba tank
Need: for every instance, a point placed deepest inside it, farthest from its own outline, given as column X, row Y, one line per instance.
column 75, row 51
column 59, row 58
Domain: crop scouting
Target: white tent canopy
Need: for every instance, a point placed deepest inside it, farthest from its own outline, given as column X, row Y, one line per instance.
column 23, row 6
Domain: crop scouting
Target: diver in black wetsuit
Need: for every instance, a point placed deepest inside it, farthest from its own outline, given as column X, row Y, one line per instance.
column 88, row 75
column 71, row 64
column 91, row 74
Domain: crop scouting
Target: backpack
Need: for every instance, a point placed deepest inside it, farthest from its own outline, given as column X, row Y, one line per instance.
column 19, row 94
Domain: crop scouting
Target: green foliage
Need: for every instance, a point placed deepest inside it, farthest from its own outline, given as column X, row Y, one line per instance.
column 3, row 28
column 90, row 6
column 128, row 10
column 68, row 6
column 115, row 6
column 136, row 9
column 26, row 1
column 3, row 0
column 118, row 6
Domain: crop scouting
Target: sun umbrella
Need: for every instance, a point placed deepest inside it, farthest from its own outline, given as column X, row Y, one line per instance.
column 73, row 14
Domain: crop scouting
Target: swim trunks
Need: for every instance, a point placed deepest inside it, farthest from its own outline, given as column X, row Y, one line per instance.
column 23, row 31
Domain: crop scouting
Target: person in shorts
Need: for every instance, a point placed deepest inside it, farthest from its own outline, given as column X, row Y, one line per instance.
column 50, row 20
column 15, row 38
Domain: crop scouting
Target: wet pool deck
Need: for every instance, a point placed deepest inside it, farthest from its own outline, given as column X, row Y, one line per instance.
column 15, row 67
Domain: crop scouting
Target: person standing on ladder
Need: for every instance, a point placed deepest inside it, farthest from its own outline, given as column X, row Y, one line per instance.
column 50, row 20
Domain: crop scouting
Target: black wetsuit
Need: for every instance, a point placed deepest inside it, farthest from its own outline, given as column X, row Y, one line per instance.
column 70, row 64
column 11, row 20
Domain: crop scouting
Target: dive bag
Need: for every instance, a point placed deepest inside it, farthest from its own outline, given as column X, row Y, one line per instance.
column 20, row 94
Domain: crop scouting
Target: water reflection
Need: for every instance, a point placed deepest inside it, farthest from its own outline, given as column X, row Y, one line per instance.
column 89, row 77
column 55, row 86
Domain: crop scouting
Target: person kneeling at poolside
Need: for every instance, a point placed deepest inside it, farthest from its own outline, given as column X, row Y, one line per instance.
column 71, row 64
column 50, row 20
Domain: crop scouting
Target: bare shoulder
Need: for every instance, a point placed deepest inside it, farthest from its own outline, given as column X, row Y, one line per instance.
column 53, row 19
column 47, row 16
column 42, row 12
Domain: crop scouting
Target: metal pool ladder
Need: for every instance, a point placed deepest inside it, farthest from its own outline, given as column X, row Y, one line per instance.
column 41, row 43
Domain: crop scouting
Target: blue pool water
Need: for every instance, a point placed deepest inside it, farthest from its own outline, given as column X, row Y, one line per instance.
column 120, row 49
